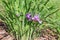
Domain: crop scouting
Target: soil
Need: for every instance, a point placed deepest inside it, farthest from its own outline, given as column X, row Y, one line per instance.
column 4, row 35
column 47, row 35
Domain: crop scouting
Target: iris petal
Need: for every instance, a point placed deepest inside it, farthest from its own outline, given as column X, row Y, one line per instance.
column 28, row 16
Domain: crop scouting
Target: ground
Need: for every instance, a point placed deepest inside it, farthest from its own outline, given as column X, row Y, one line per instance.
column 46, row 34
column 4, row 35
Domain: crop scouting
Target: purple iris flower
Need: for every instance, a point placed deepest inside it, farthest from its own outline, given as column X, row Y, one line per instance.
column 28, row 16
column 36, row 18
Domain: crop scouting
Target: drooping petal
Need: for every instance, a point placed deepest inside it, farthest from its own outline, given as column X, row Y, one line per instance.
column 40, row 22
column 36, row 18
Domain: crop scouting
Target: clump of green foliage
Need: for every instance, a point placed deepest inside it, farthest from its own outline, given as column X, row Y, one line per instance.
column 20, row 26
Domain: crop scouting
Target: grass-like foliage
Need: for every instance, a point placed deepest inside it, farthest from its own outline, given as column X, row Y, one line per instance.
column 14, row 16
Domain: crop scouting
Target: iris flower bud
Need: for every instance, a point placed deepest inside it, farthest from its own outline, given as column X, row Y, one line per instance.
column 17, row 15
